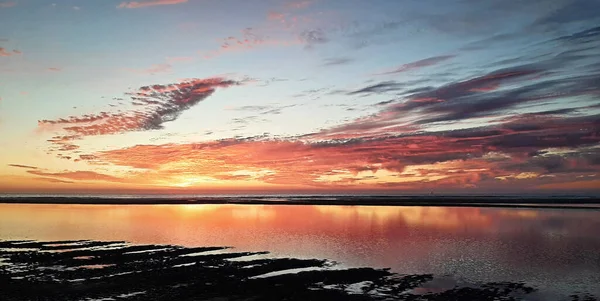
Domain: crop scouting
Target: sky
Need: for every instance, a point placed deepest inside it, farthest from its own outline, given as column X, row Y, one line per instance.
column 269, row 96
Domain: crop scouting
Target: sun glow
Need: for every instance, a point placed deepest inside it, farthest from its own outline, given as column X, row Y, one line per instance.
column 191, row 181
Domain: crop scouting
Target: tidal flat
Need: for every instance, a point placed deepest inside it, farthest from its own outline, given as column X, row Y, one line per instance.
column 116, row 270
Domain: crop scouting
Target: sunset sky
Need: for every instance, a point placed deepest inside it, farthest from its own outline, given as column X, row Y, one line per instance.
column 264, row 96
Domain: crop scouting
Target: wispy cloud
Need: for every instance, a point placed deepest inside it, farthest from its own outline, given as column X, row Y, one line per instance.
column 141, row 4
column 337, row 61
column 420, row 64
column 77, row 175
column 22, row 166
column 6, row 52
column 52, row 180
column 248, row 40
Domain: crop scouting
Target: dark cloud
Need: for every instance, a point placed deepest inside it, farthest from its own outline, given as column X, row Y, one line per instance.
column 486, row 95
column 387, row 102
column 590, row 35
column 572, row 11
column 382, row 87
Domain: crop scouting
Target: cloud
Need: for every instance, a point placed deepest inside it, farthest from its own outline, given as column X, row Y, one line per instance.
column 77, row 176
column 420, row 64
column 141, row 4
column 572, row 11
column 590, row 33
column 337, row 61
column 382, row 87
column 513, row 122
column 7, row 4
column 161, row 104
column 22, row 166
column 492, row 95
column 55, row 69
column 248, row 40
column 263, row 109
column 52, row 180
column 313, row 37
column 153, row 106
column 448, row 158
column 6, row 52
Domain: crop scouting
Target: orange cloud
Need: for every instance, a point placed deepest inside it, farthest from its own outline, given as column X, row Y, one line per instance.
column 54, row 69
column 140, row 4
column 507, row 155
column 77, row 175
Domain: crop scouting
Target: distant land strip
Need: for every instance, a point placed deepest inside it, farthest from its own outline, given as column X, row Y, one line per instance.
column 454, row 201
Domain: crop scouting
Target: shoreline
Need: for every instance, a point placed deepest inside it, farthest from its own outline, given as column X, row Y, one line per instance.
column 466, row 201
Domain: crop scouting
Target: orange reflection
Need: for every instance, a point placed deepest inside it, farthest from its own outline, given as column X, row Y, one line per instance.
column 408, row 239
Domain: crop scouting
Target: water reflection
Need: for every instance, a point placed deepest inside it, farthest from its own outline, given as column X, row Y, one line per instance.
column 545, row 247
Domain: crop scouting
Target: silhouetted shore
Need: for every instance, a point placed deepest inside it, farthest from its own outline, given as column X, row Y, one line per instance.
column 447, row 201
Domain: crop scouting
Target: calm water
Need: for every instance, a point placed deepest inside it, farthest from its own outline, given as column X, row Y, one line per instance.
column 554, row 250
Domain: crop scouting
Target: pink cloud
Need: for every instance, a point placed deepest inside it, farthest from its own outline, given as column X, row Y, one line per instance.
column 155, row 105
column 249, row 40
column 7, row 4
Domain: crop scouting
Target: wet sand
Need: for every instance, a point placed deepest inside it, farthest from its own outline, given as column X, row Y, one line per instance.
column 61, row 270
